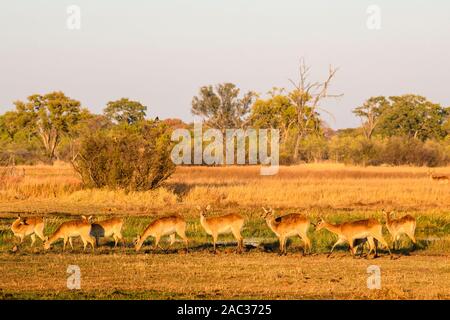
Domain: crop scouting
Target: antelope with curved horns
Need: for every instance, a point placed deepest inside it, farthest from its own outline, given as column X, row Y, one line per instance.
column 397, row 227
column 23, row 227
column 228, row 223
column 350, row 231
column 162, row 227
column 69, row 229
column 287, row 226
column 108, row 228
column 440, row 179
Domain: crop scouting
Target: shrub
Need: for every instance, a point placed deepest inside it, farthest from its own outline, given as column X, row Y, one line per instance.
column 135, row 158
column 404, row 150
column 314, row 148
column 354, row 150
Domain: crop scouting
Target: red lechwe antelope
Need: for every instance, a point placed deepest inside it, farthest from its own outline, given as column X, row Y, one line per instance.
column 228, row 223
column 162, row 227
column 440, row 179
column 108, row 228
column 23, row 227
column 70, row 229
column 354, row 230
column 397, row 227
column 287, row 226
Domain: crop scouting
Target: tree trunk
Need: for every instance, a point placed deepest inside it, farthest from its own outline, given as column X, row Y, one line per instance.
column 298, row 140
column 50, row 140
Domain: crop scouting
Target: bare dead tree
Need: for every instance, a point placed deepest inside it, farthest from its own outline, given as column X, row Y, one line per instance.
column 307, row 97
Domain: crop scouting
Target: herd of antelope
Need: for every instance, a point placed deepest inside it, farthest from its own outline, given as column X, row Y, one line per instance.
column 355, row 233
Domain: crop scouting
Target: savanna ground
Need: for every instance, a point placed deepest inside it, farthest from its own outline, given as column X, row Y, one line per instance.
column 335, row 192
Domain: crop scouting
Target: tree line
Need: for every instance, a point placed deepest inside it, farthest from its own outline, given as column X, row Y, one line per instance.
column 395, row 130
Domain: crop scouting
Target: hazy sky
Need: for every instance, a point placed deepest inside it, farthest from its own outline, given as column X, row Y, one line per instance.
column 161, row 51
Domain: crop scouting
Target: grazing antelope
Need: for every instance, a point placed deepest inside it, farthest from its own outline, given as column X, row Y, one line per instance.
column 440, row 179
column 228, row 223
column 162, row 227
column 397, row 227
column 70, row 229
column 287, row 226
column 23, row 227
column 350, row 231
column 108, row 228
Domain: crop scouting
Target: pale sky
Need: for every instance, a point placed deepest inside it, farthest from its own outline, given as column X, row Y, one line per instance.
column 161, row 52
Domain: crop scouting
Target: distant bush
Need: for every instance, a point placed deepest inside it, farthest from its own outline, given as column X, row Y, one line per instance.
column 354, row 150
column 393, row 151
column 134, row 158
column 314, row 149
column 403, row 150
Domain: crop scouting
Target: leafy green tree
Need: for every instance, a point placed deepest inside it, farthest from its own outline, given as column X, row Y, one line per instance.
column 446, row 125
column 50, row 117
column 370, row 113
column 413, row 116
column 125, row 111
column 221, row 107
column 9, row 125
column 275, row 112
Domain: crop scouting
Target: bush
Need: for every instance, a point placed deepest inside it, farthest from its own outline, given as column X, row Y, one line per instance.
column 135, row 158
column 393, row 151
column 404, row 150
column 354, row 150
column 314, row 149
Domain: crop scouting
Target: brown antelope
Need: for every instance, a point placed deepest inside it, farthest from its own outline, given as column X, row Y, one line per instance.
column 397, row 227
column 162, row 227
column 108, row 228
column 228, row 223
column 351, row 231
column 23, row 227
column 70, row 229
column 287, row 226
column 440, row 179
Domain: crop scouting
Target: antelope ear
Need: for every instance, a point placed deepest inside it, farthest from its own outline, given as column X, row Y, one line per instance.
column 84, row 217
column 208, row 207
column 90, row 218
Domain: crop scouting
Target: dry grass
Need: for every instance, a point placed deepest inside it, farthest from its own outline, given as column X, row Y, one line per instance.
column 226, row 276
column 315, row 186
column 332, row 190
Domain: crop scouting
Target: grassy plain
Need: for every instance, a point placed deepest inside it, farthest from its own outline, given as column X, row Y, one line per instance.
column 333, row 191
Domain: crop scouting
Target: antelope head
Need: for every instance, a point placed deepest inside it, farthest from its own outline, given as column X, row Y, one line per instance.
column 321, row 224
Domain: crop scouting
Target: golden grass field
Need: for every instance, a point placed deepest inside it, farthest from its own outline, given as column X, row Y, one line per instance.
column 333, row 191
